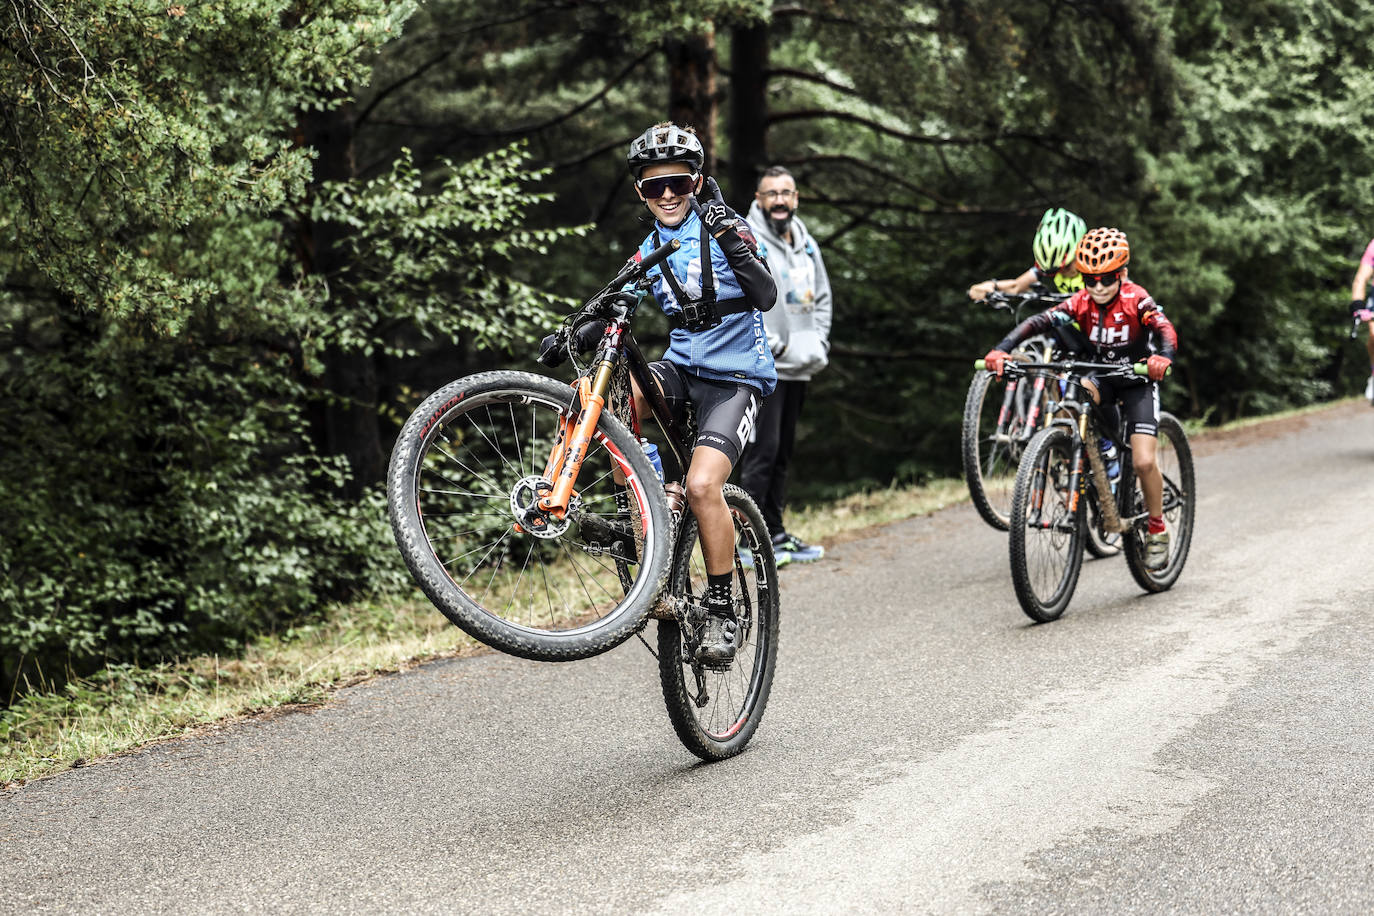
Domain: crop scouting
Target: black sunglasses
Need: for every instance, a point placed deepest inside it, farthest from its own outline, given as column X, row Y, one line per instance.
column 653, row 188
column 1106, row 279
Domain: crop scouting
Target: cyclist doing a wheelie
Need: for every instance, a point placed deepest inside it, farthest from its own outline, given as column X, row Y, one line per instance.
column 1056, row 240
column 713, row 290
column 1118, row 317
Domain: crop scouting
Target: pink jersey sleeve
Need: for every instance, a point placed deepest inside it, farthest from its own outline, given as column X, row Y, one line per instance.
column 1368, row 259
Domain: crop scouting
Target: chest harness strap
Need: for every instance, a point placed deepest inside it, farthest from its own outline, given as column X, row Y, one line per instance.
column 699, row 314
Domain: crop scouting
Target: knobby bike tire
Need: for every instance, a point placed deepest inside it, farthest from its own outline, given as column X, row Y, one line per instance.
column 984, row 457
column 1180, row 503
column 454, row 467
column 1045, row 561
column 739, row 694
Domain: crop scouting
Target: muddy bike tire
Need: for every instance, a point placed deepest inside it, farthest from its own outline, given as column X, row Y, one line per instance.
column 1046, row 539
column 737, row 695
column 461, row 463
column 1175, row 458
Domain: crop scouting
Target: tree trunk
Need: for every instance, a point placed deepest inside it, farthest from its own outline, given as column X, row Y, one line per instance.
column 692, row 98
column 748, row 111
column 344, row 419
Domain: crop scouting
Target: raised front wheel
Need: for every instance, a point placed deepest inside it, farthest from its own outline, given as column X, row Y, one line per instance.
column 463, row 491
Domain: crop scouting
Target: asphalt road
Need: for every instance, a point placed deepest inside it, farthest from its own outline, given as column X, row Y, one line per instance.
column 926, row 749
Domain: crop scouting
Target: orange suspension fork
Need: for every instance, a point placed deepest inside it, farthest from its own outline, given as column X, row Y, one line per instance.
column 574, row 438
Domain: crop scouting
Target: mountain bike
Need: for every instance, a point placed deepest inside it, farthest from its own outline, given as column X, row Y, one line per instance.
column 1002, row 414
column 1062, row 478
column 529, row 512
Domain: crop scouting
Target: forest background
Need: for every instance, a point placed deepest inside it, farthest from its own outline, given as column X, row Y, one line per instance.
column 243, row 239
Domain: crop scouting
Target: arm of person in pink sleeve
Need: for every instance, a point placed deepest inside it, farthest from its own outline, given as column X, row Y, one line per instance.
column 1360, row 285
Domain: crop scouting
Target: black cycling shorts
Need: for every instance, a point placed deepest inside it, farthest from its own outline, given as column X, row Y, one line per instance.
column 725, row 410
column 1139, row 401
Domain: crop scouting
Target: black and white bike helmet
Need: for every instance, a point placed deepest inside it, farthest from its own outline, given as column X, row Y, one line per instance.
column 665, row 142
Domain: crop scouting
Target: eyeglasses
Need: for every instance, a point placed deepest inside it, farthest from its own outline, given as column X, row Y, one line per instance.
column 1106, row 279
column 777, row 195
column 653, row 188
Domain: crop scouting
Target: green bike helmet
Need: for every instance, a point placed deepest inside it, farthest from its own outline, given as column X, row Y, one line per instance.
column 1057, row 239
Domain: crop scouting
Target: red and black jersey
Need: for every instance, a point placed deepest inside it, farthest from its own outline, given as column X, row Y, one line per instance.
column 1118, row 331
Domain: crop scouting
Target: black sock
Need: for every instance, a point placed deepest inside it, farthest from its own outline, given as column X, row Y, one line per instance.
column 718, row 593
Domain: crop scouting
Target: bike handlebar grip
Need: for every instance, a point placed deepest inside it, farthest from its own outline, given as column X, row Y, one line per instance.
column 1144, row 369
column 980, row 364
column 633, row 269
column 659, row 254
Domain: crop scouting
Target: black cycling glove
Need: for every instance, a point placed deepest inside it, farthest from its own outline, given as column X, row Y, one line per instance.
column 552, row 351
column 716, row 216
column 1356, row 305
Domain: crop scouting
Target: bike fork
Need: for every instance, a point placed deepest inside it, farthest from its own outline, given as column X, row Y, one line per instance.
column 574, row 439
column 1037, row 398
column 1008, row 398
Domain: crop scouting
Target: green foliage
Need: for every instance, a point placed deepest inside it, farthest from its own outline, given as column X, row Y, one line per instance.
column 130, row 126
column 437, row 262
column 158, row 478
column 159, row 501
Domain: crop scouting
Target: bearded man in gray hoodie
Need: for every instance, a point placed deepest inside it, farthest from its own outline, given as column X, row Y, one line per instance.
column 798, row 330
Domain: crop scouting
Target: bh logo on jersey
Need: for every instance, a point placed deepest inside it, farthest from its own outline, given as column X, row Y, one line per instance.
column 1109, row 337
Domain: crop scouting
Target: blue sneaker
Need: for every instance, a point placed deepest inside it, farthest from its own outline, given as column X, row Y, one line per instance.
column 746, row 558
column 795, row 550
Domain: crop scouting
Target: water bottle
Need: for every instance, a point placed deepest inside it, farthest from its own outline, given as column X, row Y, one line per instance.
column 652, row 451
column 1112, row 459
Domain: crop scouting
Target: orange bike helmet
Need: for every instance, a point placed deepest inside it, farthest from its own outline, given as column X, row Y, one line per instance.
column 1102, row 250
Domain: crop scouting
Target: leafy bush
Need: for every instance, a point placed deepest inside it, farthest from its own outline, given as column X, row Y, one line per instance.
column 164, row 499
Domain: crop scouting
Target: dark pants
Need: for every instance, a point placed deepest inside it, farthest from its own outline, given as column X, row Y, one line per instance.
column 763, row 467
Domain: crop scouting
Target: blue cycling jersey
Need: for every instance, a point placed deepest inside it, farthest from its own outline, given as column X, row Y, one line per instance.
column 736, row 350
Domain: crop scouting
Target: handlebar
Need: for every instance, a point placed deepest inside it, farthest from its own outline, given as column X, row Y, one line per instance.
column 1075, row 366
column 637, row 270
column 601, row 306
column 1010, row 301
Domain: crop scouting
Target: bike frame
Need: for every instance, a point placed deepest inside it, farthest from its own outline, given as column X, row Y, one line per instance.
column 1017, row 404
column 592, row 389
column 1084, row 424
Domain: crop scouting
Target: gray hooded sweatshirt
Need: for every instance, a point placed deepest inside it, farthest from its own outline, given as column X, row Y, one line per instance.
column 798, row 326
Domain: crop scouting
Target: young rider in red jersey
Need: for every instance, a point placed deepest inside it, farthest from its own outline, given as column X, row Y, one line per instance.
column 1118, row 316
